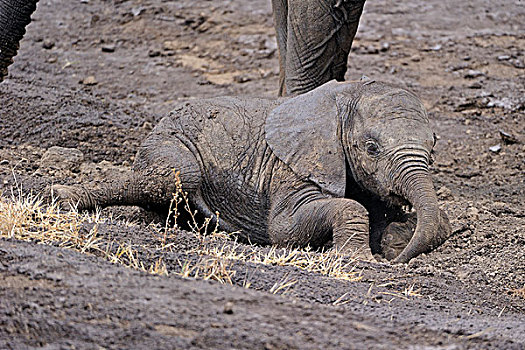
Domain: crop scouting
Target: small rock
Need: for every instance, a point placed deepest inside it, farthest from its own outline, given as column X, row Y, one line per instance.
column 61, row 158
column 415, row 58
column 444, row 193
column 518, row 64
column 48, row 44
column 466, row 58
column 89, row 81
column 472, row 213
column 108, row 48
column 503, row 58
column 471, row 74
column 136, row 11
column 154, row 53
column 52, row 60
column 371, row 50
column 495, row 148
column 385, row 47
column 507, row 138
column 147, row 126
column 228, row 308
column 241, row 78
column 475, row 85
column 436, row 47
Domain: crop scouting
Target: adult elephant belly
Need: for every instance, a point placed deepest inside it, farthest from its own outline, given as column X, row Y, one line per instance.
column 226, row 135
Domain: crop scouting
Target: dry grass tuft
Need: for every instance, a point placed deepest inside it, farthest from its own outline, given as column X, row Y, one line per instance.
column 28, row 218
column 331, row 264
column 208, row 269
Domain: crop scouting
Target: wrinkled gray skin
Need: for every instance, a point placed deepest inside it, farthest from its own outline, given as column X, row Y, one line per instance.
column 295, row 172
column 314, row 39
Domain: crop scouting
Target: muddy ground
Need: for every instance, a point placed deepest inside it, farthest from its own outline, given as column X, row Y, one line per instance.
column 95, row 76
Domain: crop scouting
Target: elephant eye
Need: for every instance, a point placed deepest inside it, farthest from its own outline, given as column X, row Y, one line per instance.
column 372, row 148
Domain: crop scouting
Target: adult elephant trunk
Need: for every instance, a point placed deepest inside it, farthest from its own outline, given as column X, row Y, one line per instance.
column 415, row 184
column 15, row 15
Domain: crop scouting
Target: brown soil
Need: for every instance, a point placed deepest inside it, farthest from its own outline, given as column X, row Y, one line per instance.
column 97, row 75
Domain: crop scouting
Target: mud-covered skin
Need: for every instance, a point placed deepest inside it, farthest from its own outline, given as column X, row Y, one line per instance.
column 276, row 171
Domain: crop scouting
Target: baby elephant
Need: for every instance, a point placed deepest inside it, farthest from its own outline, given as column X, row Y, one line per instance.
column 335, row 164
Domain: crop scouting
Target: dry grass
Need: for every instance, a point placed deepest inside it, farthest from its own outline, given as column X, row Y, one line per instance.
column 28, row 218
column 331, row 264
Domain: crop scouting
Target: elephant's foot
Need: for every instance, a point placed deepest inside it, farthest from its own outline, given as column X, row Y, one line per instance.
column 72, row 197
column 398, row 234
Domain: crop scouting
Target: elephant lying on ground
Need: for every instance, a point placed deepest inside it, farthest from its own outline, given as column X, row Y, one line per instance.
column 335, row 164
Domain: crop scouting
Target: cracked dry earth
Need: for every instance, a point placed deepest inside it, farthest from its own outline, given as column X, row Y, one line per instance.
column 93, row 77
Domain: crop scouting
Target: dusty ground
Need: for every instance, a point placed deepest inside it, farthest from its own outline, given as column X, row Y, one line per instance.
column 96, row 75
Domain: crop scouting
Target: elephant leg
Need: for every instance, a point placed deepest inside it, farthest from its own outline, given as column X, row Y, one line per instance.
column 397, row 235
column 314, row 37
column 345, row 221
column 280, row 14
column 15, row 15
column 150, row 185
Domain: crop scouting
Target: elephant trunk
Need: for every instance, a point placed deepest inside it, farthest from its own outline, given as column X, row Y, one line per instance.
column 416, row 186
column 14, row 17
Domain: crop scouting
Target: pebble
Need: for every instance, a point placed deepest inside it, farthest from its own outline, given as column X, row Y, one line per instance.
column 89, row 81
column 444, row 193
column 108, row 48
column 48, row 44
column 507, row 138
column 61, row 158
column 495, row 148
column 471, row 73
column 228, row 308
column 503, row 58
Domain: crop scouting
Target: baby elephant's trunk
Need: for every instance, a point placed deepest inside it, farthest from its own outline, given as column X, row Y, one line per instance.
column 411, row 179
column 420, row 193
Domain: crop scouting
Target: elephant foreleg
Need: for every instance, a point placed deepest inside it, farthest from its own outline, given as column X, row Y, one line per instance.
column 345, row 221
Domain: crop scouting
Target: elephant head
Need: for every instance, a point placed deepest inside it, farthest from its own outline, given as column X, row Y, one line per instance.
column 15, row 15
column 379, row 132
column 314, row 39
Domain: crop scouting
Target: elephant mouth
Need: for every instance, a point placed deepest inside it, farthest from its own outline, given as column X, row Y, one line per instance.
column 396, row 201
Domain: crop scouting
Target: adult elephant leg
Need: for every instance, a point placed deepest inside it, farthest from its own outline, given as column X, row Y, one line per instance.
column 318, row 38
column 15, row 15
column 280, row 14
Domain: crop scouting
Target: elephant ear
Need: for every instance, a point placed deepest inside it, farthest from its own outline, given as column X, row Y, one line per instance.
column 305, row 133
